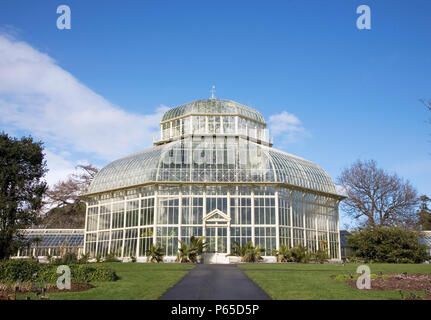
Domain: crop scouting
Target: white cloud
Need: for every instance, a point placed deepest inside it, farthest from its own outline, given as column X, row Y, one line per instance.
column 59, row 167
column 38, row 96
column 287, row 127
column 341, row 190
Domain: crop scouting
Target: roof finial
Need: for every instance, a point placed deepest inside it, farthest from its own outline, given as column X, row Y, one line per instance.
column 212, row 92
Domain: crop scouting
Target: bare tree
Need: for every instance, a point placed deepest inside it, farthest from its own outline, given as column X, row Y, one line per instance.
column 67, row 192
column 66, row 209
column 427, row 104
column 376, row 198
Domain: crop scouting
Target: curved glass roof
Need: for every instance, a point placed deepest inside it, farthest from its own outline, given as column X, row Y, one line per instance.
column 211, row 160
column 213, row 106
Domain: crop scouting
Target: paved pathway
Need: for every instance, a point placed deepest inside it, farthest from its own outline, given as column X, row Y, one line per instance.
column 215, row 282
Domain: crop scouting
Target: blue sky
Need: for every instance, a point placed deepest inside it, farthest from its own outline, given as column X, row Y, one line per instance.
column 97, row 91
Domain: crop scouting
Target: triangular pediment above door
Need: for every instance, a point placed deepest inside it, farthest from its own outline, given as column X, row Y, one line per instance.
column 216, row 216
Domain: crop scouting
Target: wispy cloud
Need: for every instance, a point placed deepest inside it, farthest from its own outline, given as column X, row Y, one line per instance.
column 38, row 96
column 286, row 127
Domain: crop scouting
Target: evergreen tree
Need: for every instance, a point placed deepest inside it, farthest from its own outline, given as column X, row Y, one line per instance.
column 424, row 213
column 22, row 166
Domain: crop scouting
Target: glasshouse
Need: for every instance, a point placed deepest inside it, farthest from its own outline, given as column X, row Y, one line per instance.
column 51, row 242
column 212, row 173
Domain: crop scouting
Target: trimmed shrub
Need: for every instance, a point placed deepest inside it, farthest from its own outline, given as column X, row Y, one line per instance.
column 23, row 270
column 387, row 244
column 26, row 270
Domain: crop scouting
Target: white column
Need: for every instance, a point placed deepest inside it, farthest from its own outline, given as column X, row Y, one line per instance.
column 138, row 244
column 97, row 230
column 236, row 125
column 303, row 222
column 253, row 228
column 291, row 222
column 110, row 227
column 338, row 231
column 124, row 228
column 204, row 210
column 180, row 206
column 317, row 231
column 228, row 226
column 327, row 236
column 156, row 207
column 85, row 227
column 277, row 222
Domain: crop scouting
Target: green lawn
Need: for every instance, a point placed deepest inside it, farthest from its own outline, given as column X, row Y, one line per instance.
column 137, row 281
column 312, row 281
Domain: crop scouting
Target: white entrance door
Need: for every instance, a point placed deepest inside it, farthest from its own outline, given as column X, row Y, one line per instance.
column 217, row 235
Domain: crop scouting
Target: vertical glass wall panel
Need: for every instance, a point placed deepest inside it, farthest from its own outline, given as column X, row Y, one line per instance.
column 214, row 124
column 132, row 213
column 103, row 243
column 210, row 238
column 228, row 124
column 264, row 191
column 166, row 128
column 91, row 242
column 131, row 238
column 186, row 129
column 298, row 237
column 216, row 203
column 240, row 210
column 176, row 128
column 168, row 210
column 132, row 194
column 167, row 237
column 310, row 217
column 264, row 211
column 199, row 123
column 192, row 210
column 333, row 244
column 187, row 232
column 105, row 217
column 117, row 242
column 241, row 235
column 146, row 240
column 118, row 215
column 92, row 218
column 92, row 223
column 311, row 240
column 285, row 236
column 147, row 211
column 242, row 126
column 297, row 217
column 147, row 191
column 221, row 240
column 284, row 211
column 265, row 239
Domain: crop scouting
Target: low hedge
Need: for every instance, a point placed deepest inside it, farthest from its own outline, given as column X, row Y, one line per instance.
column 27, row 270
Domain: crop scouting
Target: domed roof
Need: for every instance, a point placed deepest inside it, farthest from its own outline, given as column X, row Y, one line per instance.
column 213, row 106
column 243, row 161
